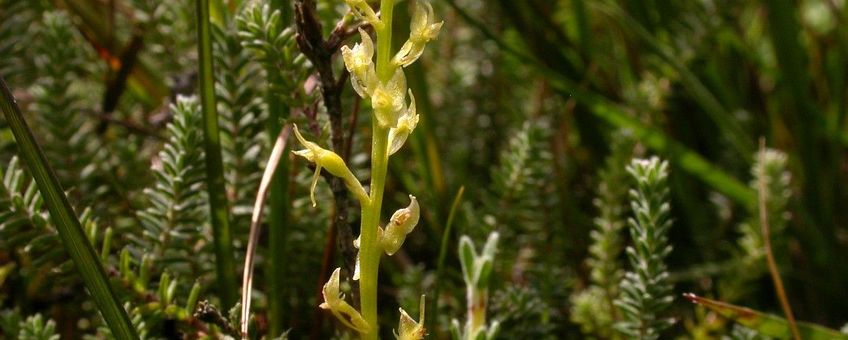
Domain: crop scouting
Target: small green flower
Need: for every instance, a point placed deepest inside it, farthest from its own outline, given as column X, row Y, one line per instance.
column 334, row 164
column 423, row 29
column 335, row 303
column 409, row 329
column 400, row 225
column 358, row 62
column 389, row 100
column 406, row 123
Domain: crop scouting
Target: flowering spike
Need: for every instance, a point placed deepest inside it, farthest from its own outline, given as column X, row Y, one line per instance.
column 335, row 303
column 406, row 123
column 423, row 29
column 400, row 225
column 358, row 62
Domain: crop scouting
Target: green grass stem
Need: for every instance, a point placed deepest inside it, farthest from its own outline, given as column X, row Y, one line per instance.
column 218, row 206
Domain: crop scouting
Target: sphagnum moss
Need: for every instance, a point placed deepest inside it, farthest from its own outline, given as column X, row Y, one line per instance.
column 383, row 82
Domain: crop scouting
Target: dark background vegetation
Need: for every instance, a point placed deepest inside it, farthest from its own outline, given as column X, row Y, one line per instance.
column 520, row 103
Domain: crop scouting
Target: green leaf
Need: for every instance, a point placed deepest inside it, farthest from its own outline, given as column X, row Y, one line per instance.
column 765, row 324
column 466, row 258
column 70, row 230
column 483, row 274
column 215, row 183
column 491, row 246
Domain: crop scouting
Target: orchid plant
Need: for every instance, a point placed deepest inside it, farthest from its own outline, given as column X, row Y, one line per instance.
column 383, row 82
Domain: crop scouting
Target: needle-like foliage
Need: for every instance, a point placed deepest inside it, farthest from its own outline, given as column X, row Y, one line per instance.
column 770, row 168
column 26, row 230
column 17, row 23
column 261, row 31
column 593, row 308
column 36, row 328
column 646, row 292
column 242, row 120
column 174, row 223
column 59, row 103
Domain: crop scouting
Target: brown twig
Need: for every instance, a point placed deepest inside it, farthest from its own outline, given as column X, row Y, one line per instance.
column 206, row 312
column 354, row 116
column 772, row 264
column 131, row 127
column 117, row 82
column 320, row 52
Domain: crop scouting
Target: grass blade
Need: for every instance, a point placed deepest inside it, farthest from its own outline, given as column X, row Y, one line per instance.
column 255, row 222
column 68, row 226
column 765, row 324
column 278, row 217
column 225, row 261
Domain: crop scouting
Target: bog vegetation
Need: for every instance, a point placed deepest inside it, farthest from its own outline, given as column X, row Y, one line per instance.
column 443, row 169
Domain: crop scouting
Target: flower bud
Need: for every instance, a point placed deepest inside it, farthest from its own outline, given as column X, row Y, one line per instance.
column 335, row 303
column 400, row 225
column 406, row 123
column 409, row 329
column 358, row 62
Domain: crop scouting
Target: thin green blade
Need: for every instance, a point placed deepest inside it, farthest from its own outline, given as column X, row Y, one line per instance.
column 70, row 231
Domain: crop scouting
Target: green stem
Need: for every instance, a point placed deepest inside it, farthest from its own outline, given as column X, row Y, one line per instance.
column 384, row 41
column 74, row 240
column 225, row 260
column 370, row 250
column 477, row 301
column 278, row 196
column 278, row 200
